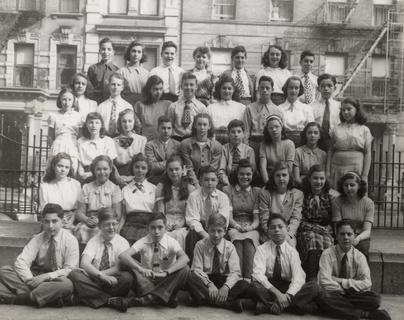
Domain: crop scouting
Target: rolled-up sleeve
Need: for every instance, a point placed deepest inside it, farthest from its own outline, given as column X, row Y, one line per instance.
column 234, row 268
column 23, row 263
column 197, row 264
column 192, row 213
column 298, row 275
column 259, row 269
column 325, row 278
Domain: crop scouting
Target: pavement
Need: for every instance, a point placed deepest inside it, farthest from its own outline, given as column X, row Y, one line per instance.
column 392, row 303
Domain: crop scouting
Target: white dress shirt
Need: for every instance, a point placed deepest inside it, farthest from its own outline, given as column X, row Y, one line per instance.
column 222, row 112
column 318, row 110
column 105, row 108
column 163, row 72
column 141, row 200
column 297, row 116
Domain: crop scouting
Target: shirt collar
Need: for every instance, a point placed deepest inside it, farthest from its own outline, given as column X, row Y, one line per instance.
column 133, row 68
column 220, row 246
column 214, row 194
column 163, row 241
column 117, row 99
column 341, row 253
column 282, row 245
column 57, row 237
column 238, row 188
column 194, row 141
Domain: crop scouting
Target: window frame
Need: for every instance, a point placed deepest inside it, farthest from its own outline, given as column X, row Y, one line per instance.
column 282, row 19
column 116, row 13
column 149, row 15
column 31, row 67
column 59, row 83
column 216, row 16
column 77, row 6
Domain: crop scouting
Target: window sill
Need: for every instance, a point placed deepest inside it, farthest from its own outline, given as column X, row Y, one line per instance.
column 74, row 15
column 131, row 16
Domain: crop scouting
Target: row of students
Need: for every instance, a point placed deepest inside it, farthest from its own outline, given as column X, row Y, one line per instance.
column 310, row 214
column 46, row 273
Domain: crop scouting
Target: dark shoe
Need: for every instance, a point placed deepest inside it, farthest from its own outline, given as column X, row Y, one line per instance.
column 6, row 300
column 237, row 306
column 172, row 303
column 379, row 314
column 261, row 308
column 118, row 303
column 140, row 301
column 275, row 309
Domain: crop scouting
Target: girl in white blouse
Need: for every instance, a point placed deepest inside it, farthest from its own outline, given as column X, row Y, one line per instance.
column 226, row 108
column 59, row 187
column 83, row 105
column 296, row 114
column 139, row 198
column 128, row 143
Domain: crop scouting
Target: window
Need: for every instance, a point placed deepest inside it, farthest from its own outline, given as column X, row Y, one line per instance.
column 119, row 52
column 380, row 11
column 224, row 9
column 24, row 65
column 69, row 6
column 148, row 7
column 337, row 10
column 281, row 10
column 221, row 60
column 66, row 64
column 118, row 7
column 27, row 5
column 380, row 70
column 335, row 64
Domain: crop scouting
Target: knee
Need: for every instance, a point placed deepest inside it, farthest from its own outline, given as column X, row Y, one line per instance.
column 126, row 277
column 374, row 299
column 76, row 275
column 5, row 270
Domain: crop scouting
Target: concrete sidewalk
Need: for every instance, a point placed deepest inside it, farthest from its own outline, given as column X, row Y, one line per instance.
column 393, row 304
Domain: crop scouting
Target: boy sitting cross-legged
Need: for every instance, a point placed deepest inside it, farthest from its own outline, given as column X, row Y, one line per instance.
column 216, row 277
column 162, row 270
column 100, row 282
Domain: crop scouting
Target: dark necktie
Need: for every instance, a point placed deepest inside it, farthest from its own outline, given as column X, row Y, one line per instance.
column 239, row 84
column 308, row 93
column 216, row 262
column 236, row 158
column 343, row 273
column 156, row 258
column 50, row 261
column 104, row 263
column 208, row 207
column 186, row 116
column 125, row 142
column 139, row 187
column 277, row 273
column 112, row 120
column 326, row 118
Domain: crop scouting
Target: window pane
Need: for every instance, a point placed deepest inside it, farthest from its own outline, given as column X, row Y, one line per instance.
column 66, row 64
column 24, row 54
column 282, row 9
column 221, row 60
column 118, row 59
column 149, row 7
column 379, row 67
column 118, row 6
column 69, row 6
column 24, row 65
column 27, row 5
column 223, row 9
column 151, row 54
column 383, row 2
column 335, row 65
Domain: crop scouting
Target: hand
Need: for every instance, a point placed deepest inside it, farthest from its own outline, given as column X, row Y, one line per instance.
column 204, row 234
column 92, row 222
column 364, row 179
column 160, row 275
column 356, row 241
column 147, row 273
column 213, row 292
column 110, row 280
column 283, row 300
column 222, row 294
column 36, row 281
column 225, row 181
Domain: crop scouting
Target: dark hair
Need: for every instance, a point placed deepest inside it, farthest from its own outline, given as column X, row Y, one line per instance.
column 267, row 137
column 201, row 50
column 188, row 76
column 121, row 115
column 325, row 76
column 105, row 40
column 235, row 123
column 167, row 184
column 218, row 85
column 116, row 75
column 163, row 119
column 306, row 185
column 50, row 170
column 360, row 117
column 274, row 216
column 303, row 134
column 53, row 208
column 134, row 43
column 157, row 216
column 285, row 86
column 352, row 175
column 146, row 91
column 238, row 49
column 280, row 165
column 306, row 53
column 243, row 163
column 203, row 116
column 168, row 44
column 283, row 63
column 61, row 93
column 105, row 214
column 217, row 220
column 266, row 78
column 206, row 170
column 140, row 157
column 100, row 158
column 94, row 116
column 345, row 222
column 74, row 79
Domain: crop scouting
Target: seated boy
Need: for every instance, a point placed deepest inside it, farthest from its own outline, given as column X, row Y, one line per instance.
column 160, row 149
column 100, row 282
column 216, row 276
column 201, row 204
column 183, row 111
column 162, row 270
column 38, row 276
column 115, row 104
column 344, row 276
column 234, row 151
column 278, row 277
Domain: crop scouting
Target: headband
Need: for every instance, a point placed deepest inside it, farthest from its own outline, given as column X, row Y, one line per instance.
column 275, row 117
column 353, row 173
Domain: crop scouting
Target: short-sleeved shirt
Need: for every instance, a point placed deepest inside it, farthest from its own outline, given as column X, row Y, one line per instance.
column 278, row 75
column 255, row 117
column 305, row 158
column 283, row 150
column 105, row 108
column 125, row 155
column 169, row 249
column 65, row 193
column 100, row 196
column 351, row 137
column 135, row 78
column 89, row 149
column 149, row 115
column 222, row 112
column 66, row 124
column 163, row 72
column 139, row 200
column 296, row 117
column 95, row 248
column 86, row 106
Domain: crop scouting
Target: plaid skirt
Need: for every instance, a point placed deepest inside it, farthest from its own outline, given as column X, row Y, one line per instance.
column 136, row 226
column 312, row 236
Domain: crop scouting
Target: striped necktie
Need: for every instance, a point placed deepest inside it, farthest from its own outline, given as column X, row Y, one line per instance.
column 104, row 263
